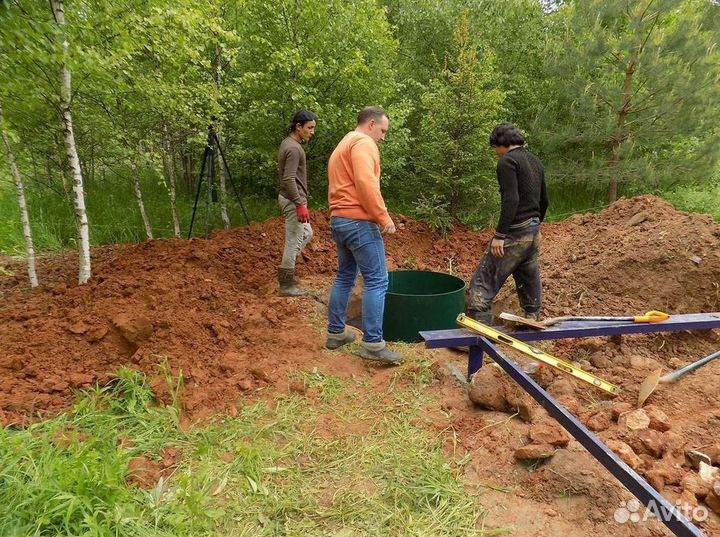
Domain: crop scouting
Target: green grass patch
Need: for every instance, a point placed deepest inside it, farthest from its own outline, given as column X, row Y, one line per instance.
column 349, row 462
column 696, row 198
column 113, row 214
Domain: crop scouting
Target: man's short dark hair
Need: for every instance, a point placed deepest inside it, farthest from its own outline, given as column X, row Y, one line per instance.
column 505, row 135
column 300, row 118
column 371, row 112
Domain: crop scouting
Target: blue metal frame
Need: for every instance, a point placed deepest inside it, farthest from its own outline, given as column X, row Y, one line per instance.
column 668, row 514
column 437, row 339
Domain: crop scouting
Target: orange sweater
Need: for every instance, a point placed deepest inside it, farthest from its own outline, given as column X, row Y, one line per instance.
column 354, row 180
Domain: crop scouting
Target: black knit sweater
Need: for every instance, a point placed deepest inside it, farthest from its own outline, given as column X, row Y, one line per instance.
column 523, row 192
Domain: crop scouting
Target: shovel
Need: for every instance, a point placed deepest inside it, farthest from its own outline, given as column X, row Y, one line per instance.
column 654, row 378
column 648, row 317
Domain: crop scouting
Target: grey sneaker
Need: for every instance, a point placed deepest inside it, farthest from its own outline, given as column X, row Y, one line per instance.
column 335, row 341
column 379, row 352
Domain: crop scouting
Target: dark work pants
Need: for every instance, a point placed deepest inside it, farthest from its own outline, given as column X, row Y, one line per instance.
column 522, row 260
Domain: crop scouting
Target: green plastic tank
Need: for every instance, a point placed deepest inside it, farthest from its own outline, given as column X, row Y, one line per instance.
column 421, row 300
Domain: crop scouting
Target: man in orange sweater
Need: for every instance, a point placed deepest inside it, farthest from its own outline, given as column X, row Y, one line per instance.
column 358, row 220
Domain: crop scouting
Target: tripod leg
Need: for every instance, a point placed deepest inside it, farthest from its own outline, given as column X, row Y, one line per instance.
column 232, row 181
column 199, row 187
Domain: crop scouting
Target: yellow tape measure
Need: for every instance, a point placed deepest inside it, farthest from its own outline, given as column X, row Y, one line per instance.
column 536, row 354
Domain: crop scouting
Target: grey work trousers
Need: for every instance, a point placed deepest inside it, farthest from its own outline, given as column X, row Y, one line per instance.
column 297, row 234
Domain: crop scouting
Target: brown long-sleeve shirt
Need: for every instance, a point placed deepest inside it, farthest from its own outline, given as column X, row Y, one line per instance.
column 292, row 171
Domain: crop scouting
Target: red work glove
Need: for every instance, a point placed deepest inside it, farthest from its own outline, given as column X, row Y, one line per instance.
column 303, row 215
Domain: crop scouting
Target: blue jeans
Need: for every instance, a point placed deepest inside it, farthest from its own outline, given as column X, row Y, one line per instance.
column 360, row 245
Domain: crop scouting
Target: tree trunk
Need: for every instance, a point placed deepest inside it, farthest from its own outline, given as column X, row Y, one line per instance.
column 620, row 135
column 188, row 172
column 71, row 150
column 169, row 163
column 139, row 196
column 216, row 154
column 223, row 189
column 20, row 187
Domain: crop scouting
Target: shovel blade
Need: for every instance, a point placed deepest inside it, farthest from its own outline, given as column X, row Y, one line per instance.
column 648, row 386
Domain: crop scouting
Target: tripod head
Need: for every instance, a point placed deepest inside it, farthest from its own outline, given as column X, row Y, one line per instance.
column 213, row 141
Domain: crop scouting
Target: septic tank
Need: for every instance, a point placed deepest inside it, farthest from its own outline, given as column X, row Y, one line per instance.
column 421, row 300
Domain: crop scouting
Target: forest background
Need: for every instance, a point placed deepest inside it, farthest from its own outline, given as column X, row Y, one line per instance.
column 105, row 106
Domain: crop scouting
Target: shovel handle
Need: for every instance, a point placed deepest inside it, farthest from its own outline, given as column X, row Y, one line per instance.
column 678, row 374
column 652, row 317
column 648, row 317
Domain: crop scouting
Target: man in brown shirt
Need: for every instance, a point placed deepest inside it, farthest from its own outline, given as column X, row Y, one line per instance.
column 293, row 198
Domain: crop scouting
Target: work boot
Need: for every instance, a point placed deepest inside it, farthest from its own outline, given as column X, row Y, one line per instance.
column 534, row 316
column 379, row 352
column 484, row 317
column 335, row 341
column 287, row 285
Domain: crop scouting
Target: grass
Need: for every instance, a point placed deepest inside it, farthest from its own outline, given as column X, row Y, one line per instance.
column 696, row 198
column 297, row 467
column 113, row 214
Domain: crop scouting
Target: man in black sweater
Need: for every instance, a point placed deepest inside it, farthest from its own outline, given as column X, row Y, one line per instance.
column 515, row 248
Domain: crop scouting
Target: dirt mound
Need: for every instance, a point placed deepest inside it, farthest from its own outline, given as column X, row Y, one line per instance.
column 203, row 307
column 207, row 307
column 637, row 255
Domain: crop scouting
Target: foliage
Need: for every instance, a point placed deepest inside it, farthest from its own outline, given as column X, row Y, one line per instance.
column 454, row 163
column 148, row 78
column 633, row 90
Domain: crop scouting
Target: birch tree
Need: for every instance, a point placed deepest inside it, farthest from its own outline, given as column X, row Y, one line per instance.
column 169, row 165
column 139, row 197
column 20, row 188
column 58, row 10
column 216, row 154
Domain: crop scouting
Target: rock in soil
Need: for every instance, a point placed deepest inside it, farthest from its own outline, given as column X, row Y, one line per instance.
column 548, row 431
column 648, row 441
column 636, row 420
column 658, row 419
column 618, row 409
column 713, row 498
column 695, row 457
column 134, row 329
column 534, row 452
column 492, row 389
column 692, row 483
column 626, row 453
column 662, row 474
column 600, row 421
column 708, row 473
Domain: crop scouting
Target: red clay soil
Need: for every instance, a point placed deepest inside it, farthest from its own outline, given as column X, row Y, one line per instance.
column 208, row 308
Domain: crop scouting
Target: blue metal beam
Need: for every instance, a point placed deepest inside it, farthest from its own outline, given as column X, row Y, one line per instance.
column 652, row 499
column 435, row 339
column 439, row 339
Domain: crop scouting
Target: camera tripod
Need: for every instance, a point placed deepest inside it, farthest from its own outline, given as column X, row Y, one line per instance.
column 209, row 162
